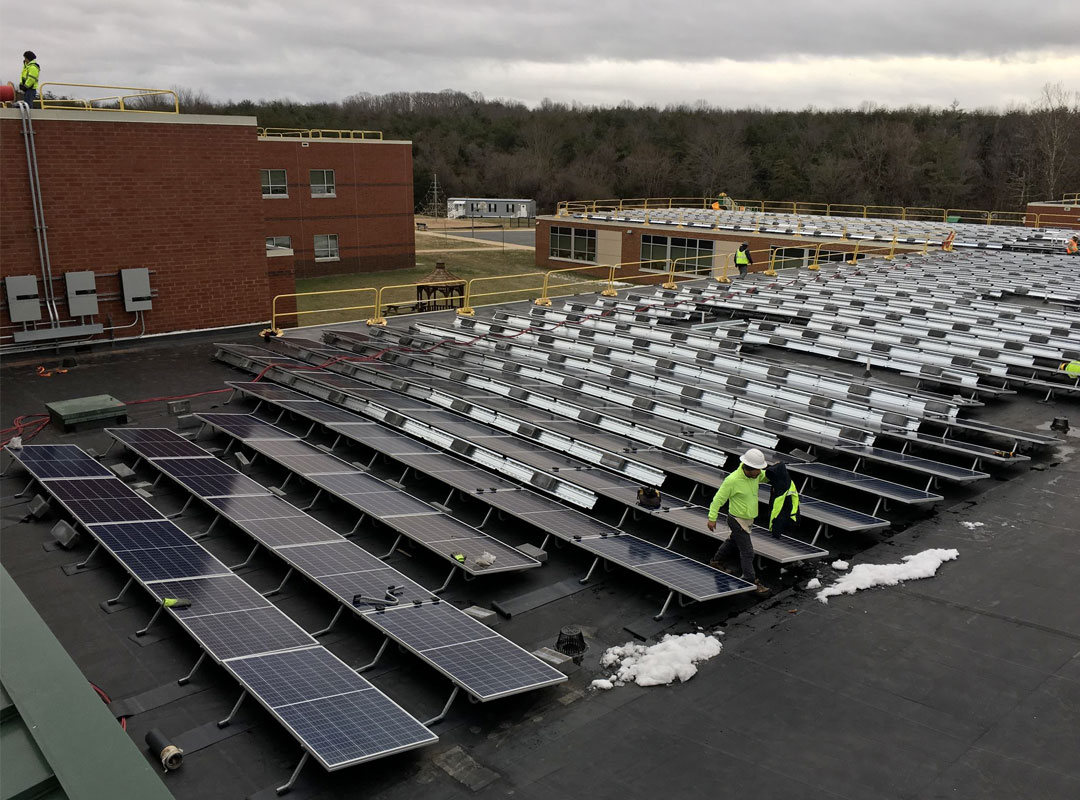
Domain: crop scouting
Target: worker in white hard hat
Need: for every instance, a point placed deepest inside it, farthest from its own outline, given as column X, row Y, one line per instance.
column 740, row 491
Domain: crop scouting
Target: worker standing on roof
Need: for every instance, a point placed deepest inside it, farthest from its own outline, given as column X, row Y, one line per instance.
column 1072, row 247
column 29, row 78
column 783, row 501
column 743, row 260
column 740, row 491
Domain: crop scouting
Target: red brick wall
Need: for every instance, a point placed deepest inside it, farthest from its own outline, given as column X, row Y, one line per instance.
column 180, row 199
column 372, row 213
column 1053, row 215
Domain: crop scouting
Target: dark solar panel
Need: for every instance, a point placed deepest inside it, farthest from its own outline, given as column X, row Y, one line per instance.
column 566, row 523
column 180, row 448
column 221, row 485
column 116, row 509
column 121, row 536
column 204, row 465
column 506, row 557
column 171, row 563
column 432, row 528
column 521, row 501
column 838, row 516
column 288, row 531
column 245, row 508
column 389, row 504
column 471, row 480
column 894, row 491
column 244, row 633
column 354, row 727
column 285, row 678
column 270, row 391
column 336, row 558
column 924, row 465
column 629, row 551
column 381, row 439
column 210, row 595
column 430, row 625
column 59, row 461
column 695, row 579
column 492, row 668
column 314, row 464
column 142, row 435
column 374, row 584
column 89, row 489
column 349, row 483
column 284, row 447
column 244, row 426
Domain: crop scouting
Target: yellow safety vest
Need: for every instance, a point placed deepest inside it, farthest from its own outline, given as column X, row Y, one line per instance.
column 742, row 257
column 778, row 505
column 1071, row 367
column 28, row 79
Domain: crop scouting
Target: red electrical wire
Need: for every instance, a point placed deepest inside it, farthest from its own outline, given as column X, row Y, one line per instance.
column 107, row 699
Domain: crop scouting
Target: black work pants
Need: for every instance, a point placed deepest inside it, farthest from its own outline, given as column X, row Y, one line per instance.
column 739, row 540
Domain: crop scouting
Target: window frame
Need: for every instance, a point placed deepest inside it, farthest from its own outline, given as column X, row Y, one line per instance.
column 269, row 183
column 332, row 184
column 573, row 239
column 331, row 239
column 700, row 247
column 274, row 248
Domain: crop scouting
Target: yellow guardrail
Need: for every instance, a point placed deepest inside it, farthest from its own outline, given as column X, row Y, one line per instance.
column 914, row 213
column 129, row 96
column 317, row 133
column 277, row 316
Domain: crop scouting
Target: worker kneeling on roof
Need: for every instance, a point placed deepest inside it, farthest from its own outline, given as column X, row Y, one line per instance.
column 740, row 491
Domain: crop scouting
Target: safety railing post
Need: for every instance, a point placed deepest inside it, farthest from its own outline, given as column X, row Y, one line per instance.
column 770, row 270
column 855, row 254
column 670, row 282
column 378, row 319
column 610, row 290
column 543, row 299
column 892, row 244
column 466, row 309
column 724, row 269
column 814, row 267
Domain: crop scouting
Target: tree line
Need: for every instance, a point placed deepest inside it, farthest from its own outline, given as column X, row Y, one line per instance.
column 918, row 156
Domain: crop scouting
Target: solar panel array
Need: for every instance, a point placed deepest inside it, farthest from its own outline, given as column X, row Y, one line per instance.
column 359, row 580
column 339, row 717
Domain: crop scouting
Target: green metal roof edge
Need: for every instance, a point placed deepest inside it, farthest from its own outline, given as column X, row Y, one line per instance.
column 88, row 751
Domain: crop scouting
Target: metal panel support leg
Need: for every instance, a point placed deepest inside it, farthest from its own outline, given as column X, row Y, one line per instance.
column 449, row 497
column 277, row 421
column 26, row 488
column 390, row 552
column 337, row 441
column 450, row 577
column 622, row 519
column 590, row 572
column 187, row 678
column 543, row 544
column 333, row 622
column 224, row 723
column 314, row 500
column 281, row 585
column 817, row 533
column 208, row 531
column 310, row 430
column 228, row 447
column 446, row 708
column 183, row 508
column 83, row 564
column 674, row 536
column 374, row 661
column 285, row 787
column 153, row 619
column 487, row 516
column 285, row 482
column 356, row 527
column 247, row 560
column 108, row 449
column 114, row 600
column 667, row 603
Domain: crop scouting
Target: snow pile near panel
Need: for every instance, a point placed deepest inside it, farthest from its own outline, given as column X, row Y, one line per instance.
column 866, row 576
column 840, row 566
column 813, row 583
column 972, row 525
column 674, row 657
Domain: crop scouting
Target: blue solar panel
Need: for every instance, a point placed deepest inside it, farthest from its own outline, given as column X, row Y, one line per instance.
column 114, row 509
column 289, row 531
column 389, row 503
column 245, row 426
column 374, row 584
column 629, row 551
column 430, row 625
column 121, row 536
column 245, row 633
column 271, row 391
column 563, row 522
column 206, row 464
column 245, row 508
column 210, row 595
column 293, row 676
column 89, row 489
column 157, row 442
column 335, row 558
column 348, row 483
column 171, row 563
column 236, row 485
column 59, row 461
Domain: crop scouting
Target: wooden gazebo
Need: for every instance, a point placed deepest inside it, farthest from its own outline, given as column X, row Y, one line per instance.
column 440, row 290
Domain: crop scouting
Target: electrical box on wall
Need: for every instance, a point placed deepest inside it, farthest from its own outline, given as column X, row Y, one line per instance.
column 136, row 286
column 24, row 303
column 82, row 298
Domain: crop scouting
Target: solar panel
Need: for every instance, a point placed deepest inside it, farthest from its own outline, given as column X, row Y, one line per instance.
column 506, row 557
column 893, row 491
column 171, row 563
column 374, row 584
column 391, row 503
column 245, row 426
column 434, row 528
column 838, row 516
column 121, row 536
column 924, row 465
column 335, row 558
column 89, row 489
column 143, row 435
column 629, row 551
column 566, row 523
column 59, row 461
column 293, row 676
column 521, row 501
column 270, row 391
column 352, row 728
column 429, row 625
column 244, row 633
column 246, row 508
column 114, row 509
column 348, row 483
column 205, row 464
column 289, row 531
column 314, row 464
column 210, row 595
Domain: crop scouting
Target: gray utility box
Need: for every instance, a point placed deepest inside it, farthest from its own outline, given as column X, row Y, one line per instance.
column 136, row 285
column 24, row 303
column 81, row 293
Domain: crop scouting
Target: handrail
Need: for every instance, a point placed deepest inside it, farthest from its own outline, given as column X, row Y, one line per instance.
column 275, row 314
column 1070, row 197
column 317, row 133
column 122, row 100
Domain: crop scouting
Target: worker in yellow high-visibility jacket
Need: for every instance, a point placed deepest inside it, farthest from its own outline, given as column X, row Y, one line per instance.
column 30, row 78
column 743, row 260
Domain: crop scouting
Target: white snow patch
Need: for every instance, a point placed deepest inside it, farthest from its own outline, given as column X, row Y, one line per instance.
column 866, row 576
column 813, row 583
column 840, row 565
column 972, row 525
column 602, row 683
column 673, row 657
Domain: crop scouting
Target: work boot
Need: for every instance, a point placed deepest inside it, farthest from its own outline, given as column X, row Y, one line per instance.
column 761, row 589
column 723, row 566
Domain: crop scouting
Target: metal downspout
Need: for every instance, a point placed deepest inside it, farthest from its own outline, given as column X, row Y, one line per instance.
column 39, row 213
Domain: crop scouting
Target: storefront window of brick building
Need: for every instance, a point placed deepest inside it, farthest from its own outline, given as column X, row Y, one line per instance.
column 326, row 247
column 322, row 183
column 274, row 183
column 279, row 246
column 577, row 244
column 692, row 254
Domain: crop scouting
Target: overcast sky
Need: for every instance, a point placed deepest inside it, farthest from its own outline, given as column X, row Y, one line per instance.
column 729, row 53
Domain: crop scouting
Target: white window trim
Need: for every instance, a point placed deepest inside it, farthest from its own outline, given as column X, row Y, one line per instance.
column 322, row 195
column 276, row 196
column 337, row 247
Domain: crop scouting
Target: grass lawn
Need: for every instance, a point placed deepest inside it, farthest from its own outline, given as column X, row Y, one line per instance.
column 437, row 241
column 497, row 266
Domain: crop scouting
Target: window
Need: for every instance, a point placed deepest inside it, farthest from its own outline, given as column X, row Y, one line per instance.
column 491, row 208
column 693, row 255
column 326, row 247
column 322, row 183
column 279, row 246
column 578, row 244
column 274, row 183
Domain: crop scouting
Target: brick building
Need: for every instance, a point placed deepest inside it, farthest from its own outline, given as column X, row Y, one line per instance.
column 179, row 196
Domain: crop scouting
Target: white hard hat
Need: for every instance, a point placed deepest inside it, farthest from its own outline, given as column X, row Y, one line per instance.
column 754, row 459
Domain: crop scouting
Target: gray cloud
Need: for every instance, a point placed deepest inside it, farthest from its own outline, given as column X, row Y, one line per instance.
column 777, row 54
